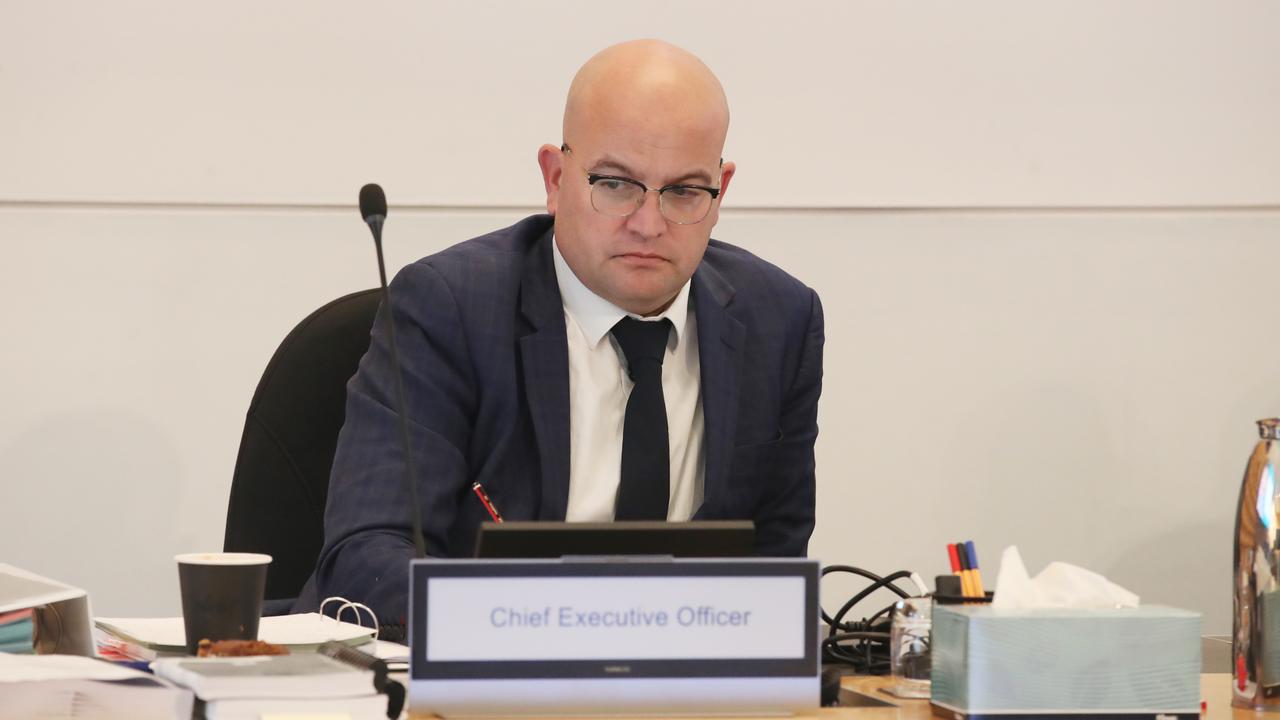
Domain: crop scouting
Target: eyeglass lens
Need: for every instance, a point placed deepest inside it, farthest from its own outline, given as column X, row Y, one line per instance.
column 680, row 205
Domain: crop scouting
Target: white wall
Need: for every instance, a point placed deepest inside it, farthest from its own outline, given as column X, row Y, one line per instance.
column 1045, row 235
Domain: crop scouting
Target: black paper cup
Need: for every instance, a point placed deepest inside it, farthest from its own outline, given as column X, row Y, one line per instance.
column 221, row 595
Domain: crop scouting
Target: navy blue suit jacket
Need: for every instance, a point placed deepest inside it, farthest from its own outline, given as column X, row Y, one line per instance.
column 481, row 335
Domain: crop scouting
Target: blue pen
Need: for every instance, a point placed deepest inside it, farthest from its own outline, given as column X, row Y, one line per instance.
column 143, row 665
column 973, row 563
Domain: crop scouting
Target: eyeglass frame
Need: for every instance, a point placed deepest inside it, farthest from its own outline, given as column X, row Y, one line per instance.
column 594, row 177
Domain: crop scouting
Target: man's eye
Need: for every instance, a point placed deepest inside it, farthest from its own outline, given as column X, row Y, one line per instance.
column 610, row 184
column 683, row 193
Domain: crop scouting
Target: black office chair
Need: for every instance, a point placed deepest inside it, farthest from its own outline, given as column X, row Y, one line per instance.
column 290, row 432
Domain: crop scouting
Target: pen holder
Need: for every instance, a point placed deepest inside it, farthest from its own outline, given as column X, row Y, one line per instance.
column 948, row 599
column 948, row 592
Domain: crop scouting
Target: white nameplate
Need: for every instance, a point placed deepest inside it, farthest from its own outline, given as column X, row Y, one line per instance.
column 672, row 636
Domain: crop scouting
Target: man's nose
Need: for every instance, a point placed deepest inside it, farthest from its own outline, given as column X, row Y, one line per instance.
column 647, row 220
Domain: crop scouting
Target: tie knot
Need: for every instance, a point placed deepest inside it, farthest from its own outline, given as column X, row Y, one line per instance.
column 644, row 343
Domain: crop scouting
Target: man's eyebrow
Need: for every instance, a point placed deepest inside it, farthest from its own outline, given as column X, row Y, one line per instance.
column 609, row 162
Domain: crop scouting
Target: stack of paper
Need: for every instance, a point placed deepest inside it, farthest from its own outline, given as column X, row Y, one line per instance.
column 151, row 638
column 251, row 687
column 66, row 686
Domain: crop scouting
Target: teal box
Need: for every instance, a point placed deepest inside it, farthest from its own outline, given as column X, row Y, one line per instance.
column 1142, row 661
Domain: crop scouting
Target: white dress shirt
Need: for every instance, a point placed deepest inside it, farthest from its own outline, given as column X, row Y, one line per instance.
column 598, row 392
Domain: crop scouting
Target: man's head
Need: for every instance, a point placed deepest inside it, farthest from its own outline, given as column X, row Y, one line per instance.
column 650, row 112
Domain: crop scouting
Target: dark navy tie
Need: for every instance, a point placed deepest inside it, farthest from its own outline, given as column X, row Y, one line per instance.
column 646, row 467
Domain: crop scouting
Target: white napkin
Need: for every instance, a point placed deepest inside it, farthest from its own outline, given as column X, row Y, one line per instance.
column 1060, row 585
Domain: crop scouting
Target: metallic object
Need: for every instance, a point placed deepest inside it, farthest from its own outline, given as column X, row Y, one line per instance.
column 1256, row 630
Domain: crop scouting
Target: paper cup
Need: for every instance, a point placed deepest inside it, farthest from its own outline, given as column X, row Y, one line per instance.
column 221, row 595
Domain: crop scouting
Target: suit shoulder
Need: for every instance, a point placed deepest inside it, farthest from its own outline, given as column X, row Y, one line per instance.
column 751, row 275
column 490, row 257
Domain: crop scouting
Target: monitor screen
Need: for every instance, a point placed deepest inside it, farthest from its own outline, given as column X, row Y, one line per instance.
column 694, row 539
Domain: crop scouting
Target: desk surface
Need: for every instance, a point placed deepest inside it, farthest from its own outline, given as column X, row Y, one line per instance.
column 1215, row 690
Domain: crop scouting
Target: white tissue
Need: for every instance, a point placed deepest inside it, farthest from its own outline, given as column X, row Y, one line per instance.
column 1060, row 585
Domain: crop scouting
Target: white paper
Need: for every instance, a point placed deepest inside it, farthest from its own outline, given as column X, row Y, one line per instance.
column 288, row 630
column 386, row 650
column 309, row 629
column 30, row 668
column 66, row 686
column 302, row 675
column 372, row 707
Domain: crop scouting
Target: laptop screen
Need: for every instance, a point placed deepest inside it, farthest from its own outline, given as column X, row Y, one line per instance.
column 698, row 538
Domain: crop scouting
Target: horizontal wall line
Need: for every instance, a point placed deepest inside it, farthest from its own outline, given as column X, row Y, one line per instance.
column 80, row 205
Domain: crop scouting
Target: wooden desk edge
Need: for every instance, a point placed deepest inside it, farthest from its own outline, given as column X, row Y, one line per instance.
column 1215, row 690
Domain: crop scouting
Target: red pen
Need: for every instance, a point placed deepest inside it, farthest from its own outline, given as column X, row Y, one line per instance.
column 478, row 489
column 954, row 557
column 957, row 568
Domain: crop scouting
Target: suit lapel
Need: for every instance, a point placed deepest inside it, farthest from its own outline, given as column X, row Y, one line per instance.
column 544, row 357
column 720, row 341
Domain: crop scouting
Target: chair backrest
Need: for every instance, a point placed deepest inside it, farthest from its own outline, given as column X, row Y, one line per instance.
column 282, row 471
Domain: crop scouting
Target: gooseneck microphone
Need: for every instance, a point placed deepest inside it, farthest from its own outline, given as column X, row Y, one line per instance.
column 373, row 208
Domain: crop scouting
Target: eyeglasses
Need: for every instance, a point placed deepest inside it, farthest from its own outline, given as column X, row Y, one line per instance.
column 680, row 203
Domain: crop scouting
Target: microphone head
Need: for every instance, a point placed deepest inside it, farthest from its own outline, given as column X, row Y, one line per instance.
column 373, row 202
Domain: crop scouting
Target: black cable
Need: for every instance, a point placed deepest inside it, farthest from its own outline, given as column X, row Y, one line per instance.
column 886, row 582
column 877, row 583
column 862, row 644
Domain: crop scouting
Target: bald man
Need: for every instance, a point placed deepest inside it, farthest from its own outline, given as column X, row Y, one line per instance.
column 606, row 360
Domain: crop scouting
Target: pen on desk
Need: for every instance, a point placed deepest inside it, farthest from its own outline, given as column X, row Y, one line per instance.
column 478, row 489
column 972, row 552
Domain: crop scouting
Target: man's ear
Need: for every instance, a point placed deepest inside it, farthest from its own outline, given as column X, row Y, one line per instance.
column 726, row 174
column 551, row 160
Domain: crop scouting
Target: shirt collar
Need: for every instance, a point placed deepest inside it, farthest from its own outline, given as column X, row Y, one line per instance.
column 597, row 316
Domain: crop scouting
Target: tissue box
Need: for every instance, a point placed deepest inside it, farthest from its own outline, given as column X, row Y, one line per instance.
column 1138, row 662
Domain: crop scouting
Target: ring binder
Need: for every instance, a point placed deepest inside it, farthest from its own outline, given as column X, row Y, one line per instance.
column 355, row 608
